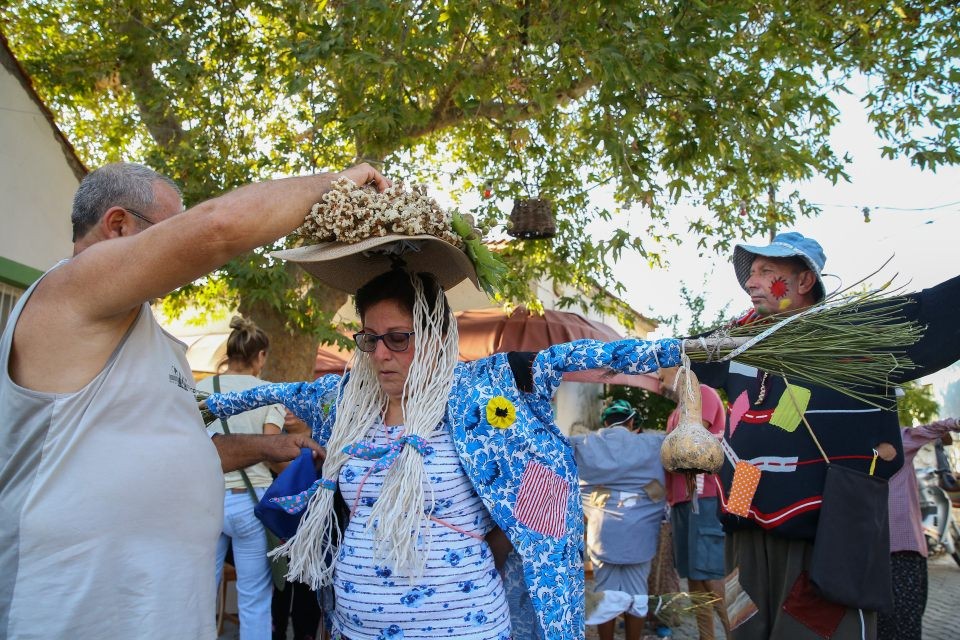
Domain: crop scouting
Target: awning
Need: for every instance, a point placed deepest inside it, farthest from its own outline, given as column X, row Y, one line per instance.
column 331, row 359
column 489, row 331
column 205, row 352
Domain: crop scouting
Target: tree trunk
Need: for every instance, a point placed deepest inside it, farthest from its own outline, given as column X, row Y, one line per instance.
column 292, row 354
column 154, row 101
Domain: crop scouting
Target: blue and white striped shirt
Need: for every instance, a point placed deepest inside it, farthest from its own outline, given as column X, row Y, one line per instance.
column 460, row 594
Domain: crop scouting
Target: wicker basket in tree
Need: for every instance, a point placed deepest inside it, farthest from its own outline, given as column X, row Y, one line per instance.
column 532, row 218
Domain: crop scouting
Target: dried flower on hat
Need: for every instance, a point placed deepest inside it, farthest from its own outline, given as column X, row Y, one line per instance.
column 348, row 213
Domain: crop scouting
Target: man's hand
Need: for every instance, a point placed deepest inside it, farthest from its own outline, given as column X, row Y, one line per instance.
column 286, row 446
column 241, row 450
column 363, row 173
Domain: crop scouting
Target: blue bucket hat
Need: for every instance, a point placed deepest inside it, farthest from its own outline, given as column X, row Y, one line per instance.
column 783, row 245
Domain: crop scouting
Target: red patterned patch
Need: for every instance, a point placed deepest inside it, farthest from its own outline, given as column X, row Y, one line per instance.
column 542, row 500
column 812, row 611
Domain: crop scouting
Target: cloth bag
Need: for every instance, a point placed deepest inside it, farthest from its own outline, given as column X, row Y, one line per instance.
column 850, row 563
column 297, row 477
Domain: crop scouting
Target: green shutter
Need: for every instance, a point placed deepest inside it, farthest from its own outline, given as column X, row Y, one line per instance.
column 16, row 274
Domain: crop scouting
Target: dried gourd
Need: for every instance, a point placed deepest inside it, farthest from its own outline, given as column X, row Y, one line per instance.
column 690, row 448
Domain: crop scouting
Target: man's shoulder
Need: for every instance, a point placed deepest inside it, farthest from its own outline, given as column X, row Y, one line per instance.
column 50, row 330
column 651, row 437
column 61, row 297
column 622, row 434
column 613, row 432
column 45, row 312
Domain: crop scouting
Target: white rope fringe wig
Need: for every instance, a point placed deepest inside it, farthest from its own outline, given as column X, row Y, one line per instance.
column 399, row 515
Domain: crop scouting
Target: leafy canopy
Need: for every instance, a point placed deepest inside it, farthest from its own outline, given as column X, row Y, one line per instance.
column 917, row 404
column 717, row 103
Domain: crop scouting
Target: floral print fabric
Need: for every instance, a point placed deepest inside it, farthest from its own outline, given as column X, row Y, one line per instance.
column 496, row 458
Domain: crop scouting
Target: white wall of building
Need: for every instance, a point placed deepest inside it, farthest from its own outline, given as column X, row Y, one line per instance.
column 37, row 182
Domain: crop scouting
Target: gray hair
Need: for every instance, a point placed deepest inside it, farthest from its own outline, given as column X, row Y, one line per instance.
column 119, row 184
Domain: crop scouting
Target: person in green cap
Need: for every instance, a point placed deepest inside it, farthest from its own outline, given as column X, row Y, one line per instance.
column 622, row 484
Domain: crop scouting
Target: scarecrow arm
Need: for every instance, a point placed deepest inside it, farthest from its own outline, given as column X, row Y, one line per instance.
column 630, row 356
column 713, row 374
column 305, row 399
column 713, row 344
column 939, row 347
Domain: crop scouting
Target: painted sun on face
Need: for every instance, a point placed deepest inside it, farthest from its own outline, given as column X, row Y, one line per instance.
column 779, row 288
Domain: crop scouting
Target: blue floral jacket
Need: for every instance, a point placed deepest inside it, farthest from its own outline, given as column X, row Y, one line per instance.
column 523, row 471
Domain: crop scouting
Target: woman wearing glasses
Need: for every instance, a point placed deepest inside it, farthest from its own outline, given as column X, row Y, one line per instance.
column 443, row 465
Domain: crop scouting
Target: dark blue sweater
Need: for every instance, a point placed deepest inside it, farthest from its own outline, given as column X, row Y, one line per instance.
column 787, row 500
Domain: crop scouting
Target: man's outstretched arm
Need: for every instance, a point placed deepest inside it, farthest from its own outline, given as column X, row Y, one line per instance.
column 80, row 311
column 179, row 250
column 241, row 450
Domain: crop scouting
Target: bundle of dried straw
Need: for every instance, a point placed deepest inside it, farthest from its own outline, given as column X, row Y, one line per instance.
column 850, row 343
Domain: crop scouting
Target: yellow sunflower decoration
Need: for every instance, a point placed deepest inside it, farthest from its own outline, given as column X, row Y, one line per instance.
column 500, row 412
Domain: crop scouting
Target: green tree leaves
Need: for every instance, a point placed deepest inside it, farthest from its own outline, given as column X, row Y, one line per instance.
column 716, row 103
column 917, row 404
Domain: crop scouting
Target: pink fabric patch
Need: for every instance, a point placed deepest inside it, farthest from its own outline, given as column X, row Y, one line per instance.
column 542, row 500
column 737, row 409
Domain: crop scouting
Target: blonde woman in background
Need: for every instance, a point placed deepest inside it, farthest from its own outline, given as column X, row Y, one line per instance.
column 247, row 349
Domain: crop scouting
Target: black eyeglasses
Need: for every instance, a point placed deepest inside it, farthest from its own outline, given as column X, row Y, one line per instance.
column 137, row 214
column 393, row 340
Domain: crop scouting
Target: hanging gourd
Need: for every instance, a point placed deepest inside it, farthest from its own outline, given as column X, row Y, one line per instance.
column 690, row 448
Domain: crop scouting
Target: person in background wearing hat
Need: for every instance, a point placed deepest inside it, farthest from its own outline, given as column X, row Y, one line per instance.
column 450, row 470
column 622, row 483
column 772, row 482
column 111, row 491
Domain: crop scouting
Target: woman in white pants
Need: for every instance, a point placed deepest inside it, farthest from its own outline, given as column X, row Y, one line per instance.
column 247, row 349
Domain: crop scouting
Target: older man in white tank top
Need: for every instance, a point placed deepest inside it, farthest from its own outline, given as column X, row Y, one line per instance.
column 110, row 489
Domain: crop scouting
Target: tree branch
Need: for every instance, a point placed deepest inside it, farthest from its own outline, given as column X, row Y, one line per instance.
column 498, row 110
column 152, row 97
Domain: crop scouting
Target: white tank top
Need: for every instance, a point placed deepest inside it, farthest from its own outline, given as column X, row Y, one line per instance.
column 111, row 499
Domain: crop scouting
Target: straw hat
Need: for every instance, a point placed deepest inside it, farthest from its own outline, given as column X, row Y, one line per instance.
column 349, row 266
